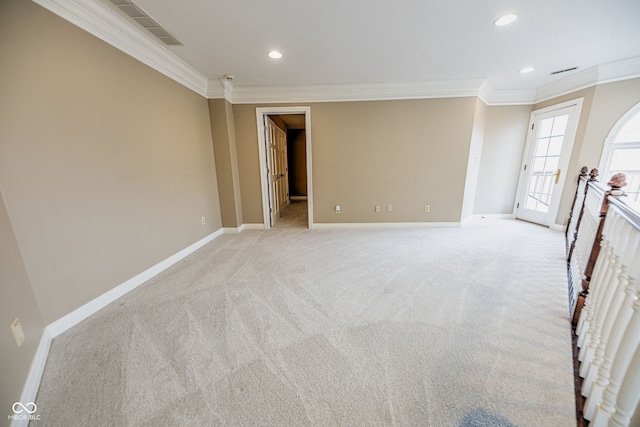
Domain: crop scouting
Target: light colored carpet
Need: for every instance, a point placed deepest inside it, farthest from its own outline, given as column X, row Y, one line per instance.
column 294, row 215
column 290, row 327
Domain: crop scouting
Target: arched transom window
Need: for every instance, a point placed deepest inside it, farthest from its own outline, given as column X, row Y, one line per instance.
column 622, row 152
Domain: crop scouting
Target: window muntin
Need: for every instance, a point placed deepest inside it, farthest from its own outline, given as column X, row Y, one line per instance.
column 622, row 153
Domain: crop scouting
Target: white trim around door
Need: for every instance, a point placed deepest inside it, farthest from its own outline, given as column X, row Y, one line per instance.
column 545, row 161
column 261, row 113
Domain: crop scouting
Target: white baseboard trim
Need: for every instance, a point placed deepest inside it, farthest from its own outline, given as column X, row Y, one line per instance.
column 78, row 315
column 382, row 225
column 466, row 221
column 494, row 216
column 252, row 226
column 31, row 386
column 298, row 198
column 30, row 389
column 231, row 230
column 558, row 227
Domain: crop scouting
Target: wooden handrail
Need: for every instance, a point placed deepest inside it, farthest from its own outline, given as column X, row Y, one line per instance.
column 629, row 210
column 583, row 174
column 571, row 233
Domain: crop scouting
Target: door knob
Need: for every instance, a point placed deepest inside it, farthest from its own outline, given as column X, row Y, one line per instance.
column 557, row 175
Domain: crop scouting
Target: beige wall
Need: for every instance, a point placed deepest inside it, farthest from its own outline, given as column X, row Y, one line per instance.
column 602, row 107
column 16, row 300
column 404, row 153
column 473, row 161
column 106, row 166
column 503, row 146
column 224, row 144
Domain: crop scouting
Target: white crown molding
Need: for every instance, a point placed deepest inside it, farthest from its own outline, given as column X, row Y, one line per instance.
column 578, row 81
column 490, row 96
column 375, row 92
column 355, row 92
column 216, row 89
column 619, row 70
column 600, row 74
column 106, row 24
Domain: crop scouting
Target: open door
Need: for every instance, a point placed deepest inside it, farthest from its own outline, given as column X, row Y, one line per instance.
column 272, row 150
column 277, row 169
column 551, row 134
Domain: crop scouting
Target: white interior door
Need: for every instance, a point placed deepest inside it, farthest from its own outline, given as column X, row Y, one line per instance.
column 262, row 114
column 277, row 169
column 551, row 135
column 282, row 167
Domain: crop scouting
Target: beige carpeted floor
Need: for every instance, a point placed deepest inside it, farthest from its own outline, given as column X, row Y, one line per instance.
column 290, row 327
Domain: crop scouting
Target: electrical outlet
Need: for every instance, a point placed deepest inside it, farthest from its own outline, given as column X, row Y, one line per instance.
column 16, row 329
column 377, row 209
column 427, row 208
column 389, row 208
column 203, row 221
column 337, row 208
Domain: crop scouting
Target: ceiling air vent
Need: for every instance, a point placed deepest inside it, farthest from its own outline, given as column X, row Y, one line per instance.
column 141, row 17
column 564, row 71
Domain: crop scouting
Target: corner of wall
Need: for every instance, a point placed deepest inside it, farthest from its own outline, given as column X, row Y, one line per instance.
column 226, row 161
column 17, row 300
column 473, row 161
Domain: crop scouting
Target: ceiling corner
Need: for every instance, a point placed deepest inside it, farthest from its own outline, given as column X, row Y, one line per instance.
column 105, row 23
column 216, row 89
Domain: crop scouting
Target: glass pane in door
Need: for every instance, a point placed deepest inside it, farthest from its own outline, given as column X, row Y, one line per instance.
column 548, row 146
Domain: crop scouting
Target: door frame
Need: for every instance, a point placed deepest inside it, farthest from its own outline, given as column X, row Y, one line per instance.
column 570, row 136
column 261, row 113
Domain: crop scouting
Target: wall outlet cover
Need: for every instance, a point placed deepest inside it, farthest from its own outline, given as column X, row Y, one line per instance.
column 16, row 329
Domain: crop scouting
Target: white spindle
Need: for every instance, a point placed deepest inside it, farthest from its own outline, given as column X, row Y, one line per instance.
column 597, row 293
column 590, row 222
column 622, row 394
column 628, row 397
column 602, row 303
column 599, row 271
column 618, row 316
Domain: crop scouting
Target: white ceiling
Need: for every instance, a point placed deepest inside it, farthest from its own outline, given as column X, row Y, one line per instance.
column 375, row 41
column 404, row 47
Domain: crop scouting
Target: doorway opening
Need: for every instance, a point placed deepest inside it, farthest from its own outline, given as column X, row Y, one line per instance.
column 546, row 158
column 284, row 145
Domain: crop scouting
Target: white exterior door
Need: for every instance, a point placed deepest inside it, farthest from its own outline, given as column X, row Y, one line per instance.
column 551, row 135
column 277, row 169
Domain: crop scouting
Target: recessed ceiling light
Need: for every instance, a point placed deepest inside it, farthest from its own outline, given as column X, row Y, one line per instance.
column 526, row 70
column 505, row 20
column 275, row 54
